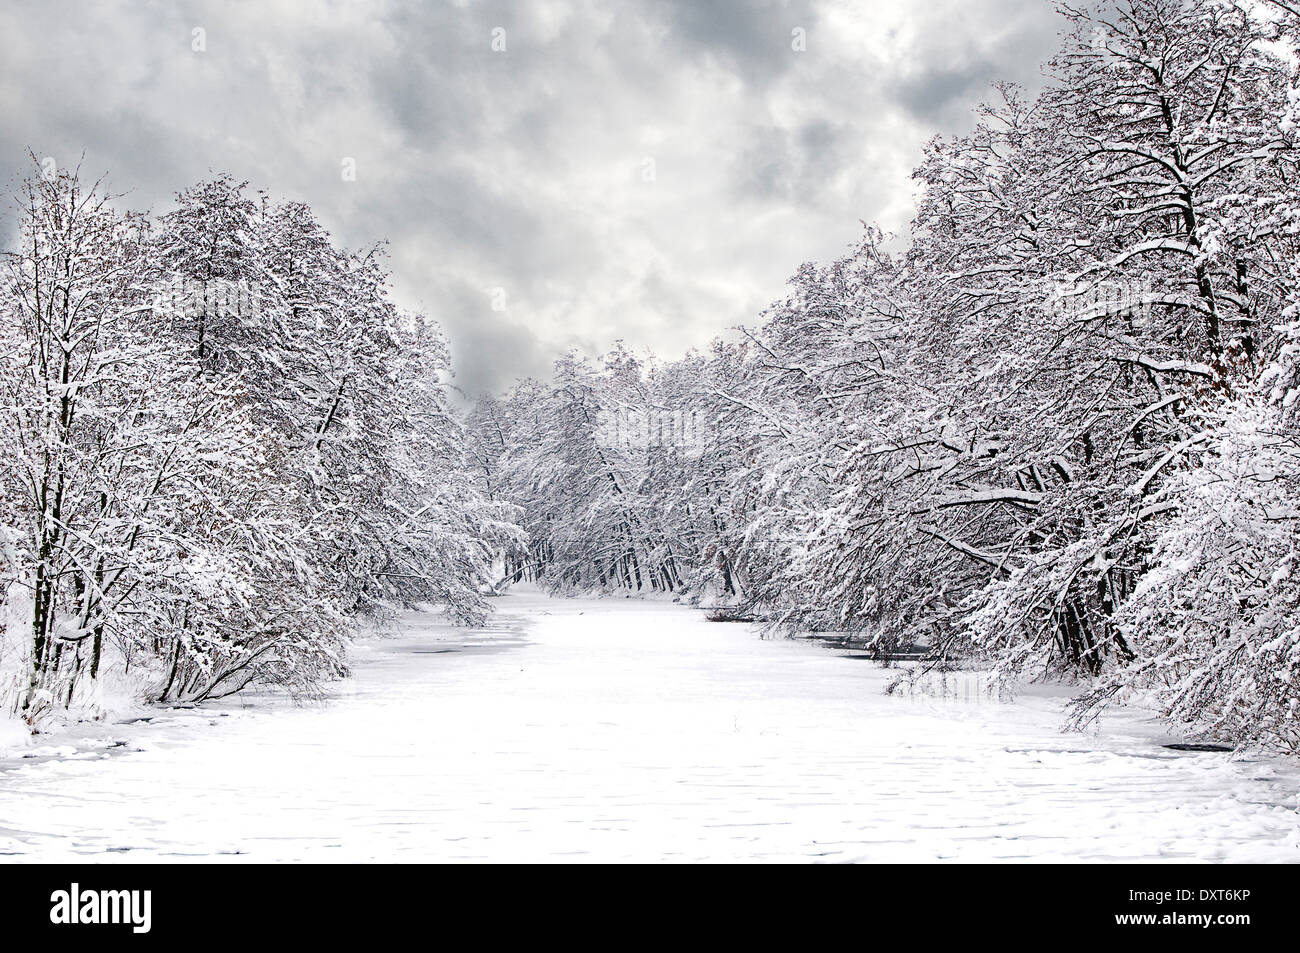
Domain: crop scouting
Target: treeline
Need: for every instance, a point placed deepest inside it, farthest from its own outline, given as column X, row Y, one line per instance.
column 221, row 446
column 1057, row 433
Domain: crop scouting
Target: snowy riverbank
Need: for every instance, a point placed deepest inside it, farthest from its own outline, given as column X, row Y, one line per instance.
column 631, row 730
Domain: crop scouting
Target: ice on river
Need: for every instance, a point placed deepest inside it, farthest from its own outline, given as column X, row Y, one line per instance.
column 632, row 730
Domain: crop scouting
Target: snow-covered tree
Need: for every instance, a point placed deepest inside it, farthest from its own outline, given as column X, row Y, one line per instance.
column 1037, row 433
column 222, row 444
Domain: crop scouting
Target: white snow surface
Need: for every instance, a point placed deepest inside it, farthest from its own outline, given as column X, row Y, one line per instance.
column 630, row 730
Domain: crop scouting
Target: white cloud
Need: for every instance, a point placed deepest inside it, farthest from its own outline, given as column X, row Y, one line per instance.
column 524, row 169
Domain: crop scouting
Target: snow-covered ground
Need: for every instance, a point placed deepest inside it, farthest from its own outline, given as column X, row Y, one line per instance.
column 630, row 730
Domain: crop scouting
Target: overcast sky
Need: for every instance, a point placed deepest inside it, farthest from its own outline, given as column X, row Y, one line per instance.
column 652, row 171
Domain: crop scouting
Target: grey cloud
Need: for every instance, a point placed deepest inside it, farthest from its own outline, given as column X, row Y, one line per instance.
column 944, row 71
column 486, row 354
column 524, row 169
column 751, row 39
column 941, row 94
column 796, row 165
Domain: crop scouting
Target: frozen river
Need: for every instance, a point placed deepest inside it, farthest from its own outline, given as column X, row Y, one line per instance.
column 628, row 730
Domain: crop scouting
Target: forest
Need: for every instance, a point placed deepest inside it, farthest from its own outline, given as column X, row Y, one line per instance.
column 1052, row 432
column 224, row 446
